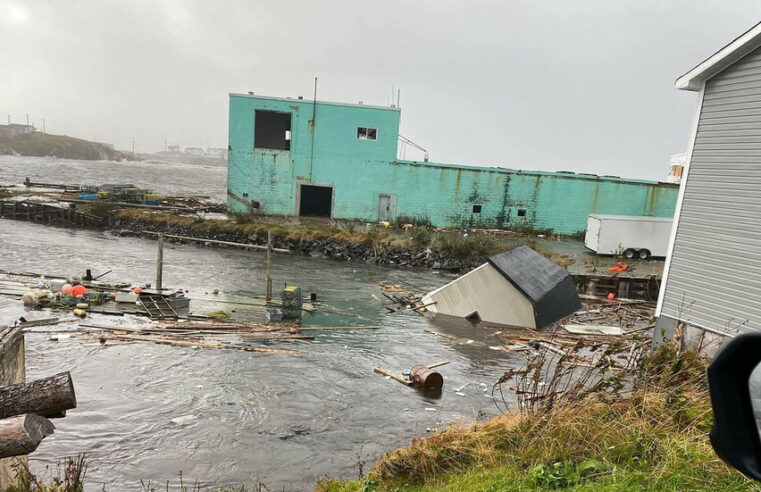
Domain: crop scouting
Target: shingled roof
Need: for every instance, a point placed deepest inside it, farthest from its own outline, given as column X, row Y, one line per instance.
column 550, row 287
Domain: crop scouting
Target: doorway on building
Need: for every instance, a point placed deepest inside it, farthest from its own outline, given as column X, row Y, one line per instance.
column 386, row 208
column 316, row 201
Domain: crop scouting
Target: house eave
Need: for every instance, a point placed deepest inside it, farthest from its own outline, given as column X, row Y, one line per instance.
column 729, row 54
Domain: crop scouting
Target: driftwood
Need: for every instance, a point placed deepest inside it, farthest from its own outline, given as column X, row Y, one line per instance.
column 49, row 397
column 22, row 434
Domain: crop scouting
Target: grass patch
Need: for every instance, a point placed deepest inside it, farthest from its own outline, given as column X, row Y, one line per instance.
column 474, row 246
column 653, row 436
column 219, row 315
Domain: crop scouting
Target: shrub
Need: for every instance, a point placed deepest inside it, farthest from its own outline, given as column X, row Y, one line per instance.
column 476, row 246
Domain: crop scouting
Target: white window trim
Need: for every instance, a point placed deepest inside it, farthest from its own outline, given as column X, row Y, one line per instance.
column 367, row 128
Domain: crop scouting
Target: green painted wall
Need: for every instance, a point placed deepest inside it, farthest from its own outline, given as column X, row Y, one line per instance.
column 442, row 194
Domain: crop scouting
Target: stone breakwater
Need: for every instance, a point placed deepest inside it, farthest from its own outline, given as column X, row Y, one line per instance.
column 328, row 248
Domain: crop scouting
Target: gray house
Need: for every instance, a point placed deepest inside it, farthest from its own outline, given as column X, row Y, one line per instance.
column 519, row 287
column 712, row 279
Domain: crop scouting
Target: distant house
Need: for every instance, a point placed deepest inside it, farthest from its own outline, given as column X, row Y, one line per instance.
column 173, row 148
column 712, row 279
column 217, row 152
column 519, row 287
column 197, row 151
column 15, row 129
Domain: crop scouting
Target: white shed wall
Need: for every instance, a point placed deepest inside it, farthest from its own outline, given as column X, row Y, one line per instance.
column 489, row 293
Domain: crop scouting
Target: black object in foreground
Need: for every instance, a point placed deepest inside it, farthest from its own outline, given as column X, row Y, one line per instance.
column 735, row 435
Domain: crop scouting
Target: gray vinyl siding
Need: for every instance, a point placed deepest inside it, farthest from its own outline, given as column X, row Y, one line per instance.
column 714, row 280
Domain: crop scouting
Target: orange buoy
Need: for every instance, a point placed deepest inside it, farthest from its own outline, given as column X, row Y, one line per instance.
column 137, row 290
column 611, row 296
column 78, row 290
column 66, row 289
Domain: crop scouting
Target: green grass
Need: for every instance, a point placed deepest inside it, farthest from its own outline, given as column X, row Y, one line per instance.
column 653, row 438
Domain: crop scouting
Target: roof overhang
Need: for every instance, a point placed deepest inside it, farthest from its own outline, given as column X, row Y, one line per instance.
column 741, row 46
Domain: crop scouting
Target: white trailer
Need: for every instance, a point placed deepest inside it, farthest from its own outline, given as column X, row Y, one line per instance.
column 630, row 236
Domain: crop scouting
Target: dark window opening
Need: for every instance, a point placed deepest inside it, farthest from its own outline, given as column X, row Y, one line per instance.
column 316, row 200
column 245, row 195
column 364, row 133
column 521, row 212
column 272, row 130
column 476, row 209
column 473, row 317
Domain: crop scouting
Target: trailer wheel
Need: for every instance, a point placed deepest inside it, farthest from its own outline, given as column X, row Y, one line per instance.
column 629, row 253
column 643, row 254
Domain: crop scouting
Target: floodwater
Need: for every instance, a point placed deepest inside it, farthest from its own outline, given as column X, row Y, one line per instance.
column 170, row 178
column 281, row 420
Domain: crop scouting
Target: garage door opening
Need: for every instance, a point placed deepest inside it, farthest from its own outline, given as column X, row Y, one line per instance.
column 316, row 201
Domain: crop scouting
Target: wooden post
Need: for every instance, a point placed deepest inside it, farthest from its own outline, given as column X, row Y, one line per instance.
column 159, row 262
column 268, row 297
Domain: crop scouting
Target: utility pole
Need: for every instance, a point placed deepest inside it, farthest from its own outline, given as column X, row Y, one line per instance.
column 165, row 144
column 159, row 262
column 133, row 148
column 268, row 296
column 27, row 119
column 43, row 125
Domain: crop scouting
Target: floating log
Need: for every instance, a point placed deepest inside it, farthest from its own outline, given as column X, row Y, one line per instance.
column 22, row 434
column 49, row 397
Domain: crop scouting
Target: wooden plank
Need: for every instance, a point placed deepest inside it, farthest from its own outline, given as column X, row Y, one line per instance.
column 184, row 343
column 395, row 377
column 437, row 364
column 325, row 328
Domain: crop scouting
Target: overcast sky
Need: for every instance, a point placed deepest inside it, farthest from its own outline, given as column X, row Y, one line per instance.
column 551, row 85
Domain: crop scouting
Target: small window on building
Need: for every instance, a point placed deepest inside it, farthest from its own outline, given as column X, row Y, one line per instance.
column 521, row 212
column 272, row 130
column 476, row 209
column 364, row 133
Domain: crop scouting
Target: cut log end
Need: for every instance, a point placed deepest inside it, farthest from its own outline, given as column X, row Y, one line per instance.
column 22, row 434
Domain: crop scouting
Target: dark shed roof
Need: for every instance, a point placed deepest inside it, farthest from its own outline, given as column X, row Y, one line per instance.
column 550, row 287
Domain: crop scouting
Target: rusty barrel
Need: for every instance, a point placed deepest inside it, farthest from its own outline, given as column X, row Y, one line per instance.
column 426, row 378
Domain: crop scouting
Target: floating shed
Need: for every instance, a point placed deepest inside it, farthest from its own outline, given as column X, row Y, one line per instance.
column 519, row 287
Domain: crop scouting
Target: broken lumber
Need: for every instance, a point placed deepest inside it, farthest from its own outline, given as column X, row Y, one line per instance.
column 22, row 434
column 437, row 364
column 322, row 328
column 183, row 343
column 395, row 377
column 48, row 397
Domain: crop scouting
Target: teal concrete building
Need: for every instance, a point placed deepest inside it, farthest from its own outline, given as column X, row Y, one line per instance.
column 295, row 157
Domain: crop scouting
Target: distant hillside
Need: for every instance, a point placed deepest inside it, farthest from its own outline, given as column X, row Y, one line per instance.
column 43, row 145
